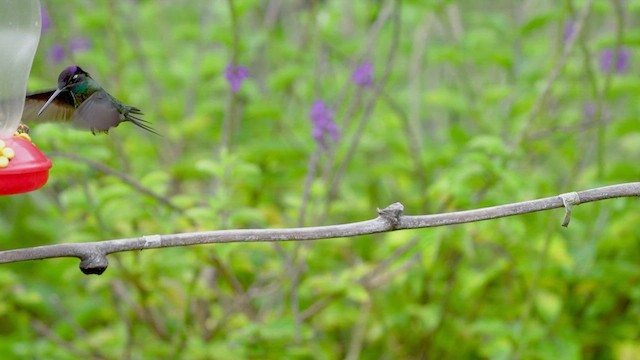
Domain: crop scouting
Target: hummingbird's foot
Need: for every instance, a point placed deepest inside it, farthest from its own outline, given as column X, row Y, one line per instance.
column 23, row 129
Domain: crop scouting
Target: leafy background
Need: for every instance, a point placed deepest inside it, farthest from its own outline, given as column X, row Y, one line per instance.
column 463, row 111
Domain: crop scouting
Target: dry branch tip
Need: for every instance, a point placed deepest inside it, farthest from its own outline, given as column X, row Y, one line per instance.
column 568, row 200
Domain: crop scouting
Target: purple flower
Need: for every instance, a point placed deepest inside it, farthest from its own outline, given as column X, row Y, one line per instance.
column 56, row 53
column 607, row 58
column 323, row 123
column 362, row 75
column 589, row 110
column 235, row 75
column 46, row 20
column 569, row 28
column 79, row 44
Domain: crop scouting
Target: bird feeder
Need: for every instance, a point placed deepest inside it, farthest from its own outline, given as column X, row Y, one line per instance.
column 23, row 167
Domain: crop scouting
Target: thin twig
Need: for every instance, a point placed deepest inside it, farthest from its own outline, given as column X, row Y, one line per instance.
column 229, row 120
column 334, row 186
column 369, row 278
column 374, row 278
column 241, row 299
column 317, row 306
column 120, row 175
column 44, row 331
column 555, row 73
column 359, row 331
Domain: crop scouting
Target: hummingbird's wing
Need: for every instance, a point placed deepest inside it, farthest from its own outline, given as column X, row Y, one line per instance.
column 98, row 113
column 61, row 109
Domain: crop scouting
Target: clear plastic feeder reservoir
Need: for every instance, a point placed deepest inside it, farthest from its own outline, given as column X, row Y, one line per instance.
column 22, row 166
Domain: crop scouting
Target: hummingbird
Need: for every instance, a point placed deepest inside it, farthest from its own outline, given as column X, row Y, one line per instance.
column 84, row 102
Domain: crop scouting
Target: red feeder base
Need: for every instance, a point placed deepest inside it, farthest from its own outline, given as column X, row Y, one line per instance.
column 28, row 170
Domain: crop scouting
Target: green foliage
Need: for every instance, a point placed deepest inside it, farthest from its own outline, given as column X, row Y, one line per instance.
column 453, row 128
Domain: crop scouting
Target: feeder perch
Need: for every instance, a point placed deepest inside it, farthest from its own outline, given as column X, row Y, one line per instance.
column 23, row 167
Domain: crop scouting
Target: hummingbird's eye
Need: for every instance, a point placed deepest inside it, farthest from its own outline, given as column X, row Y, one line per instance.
column 75, row 77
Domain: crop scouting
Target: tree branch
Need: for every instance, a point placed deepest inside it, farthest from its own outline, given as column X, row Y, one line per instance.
column 94, row 261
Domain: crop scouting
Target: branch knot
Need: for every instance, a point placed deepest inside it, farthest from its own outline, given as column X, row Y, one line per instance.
column 392, row 213
column 93, row 262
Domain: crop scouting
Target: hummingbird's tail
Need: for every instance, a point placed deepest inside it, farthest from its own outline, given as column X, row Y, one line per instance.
column 133, row 114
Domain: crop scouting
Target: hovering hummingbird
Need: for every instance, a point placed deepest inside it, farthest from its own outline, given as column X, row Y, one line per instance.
column 82, row 100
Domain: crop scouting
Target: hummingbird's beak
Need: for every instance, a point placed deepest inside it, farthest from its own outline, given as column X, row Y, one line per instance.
column 53, row 96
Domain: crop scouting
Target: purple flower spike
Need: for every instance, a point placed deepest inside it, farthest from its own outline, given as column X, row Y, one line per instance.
column 589, row 110
column 569, row 28
column 607, row 57
column 362, row 75
column 46, row 20
column 79, row 44
column 323, row 123
column 56, row 53
column 235, row 75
